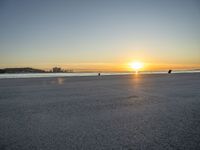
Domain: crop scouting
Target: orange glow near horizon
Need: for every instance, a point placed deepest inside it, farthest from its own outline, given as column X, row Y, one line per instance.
column 126, row 66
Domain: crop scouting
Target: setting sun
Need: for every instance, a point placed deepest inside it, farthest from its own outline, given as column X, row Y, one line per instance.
column 136, row 65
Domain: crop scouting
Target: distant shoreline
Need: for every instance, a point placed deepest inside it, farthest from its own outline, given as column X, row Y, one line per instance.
column 33, row 70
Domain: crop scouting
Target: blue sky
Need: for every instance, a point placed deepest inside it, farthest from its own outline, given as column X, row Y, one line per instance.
column 44, row 33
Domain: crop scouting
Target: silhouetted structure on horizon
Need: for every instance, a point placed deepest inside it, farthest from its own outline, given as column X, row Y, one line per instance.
column 60, row 70
column 170, row 71
column 57, row 69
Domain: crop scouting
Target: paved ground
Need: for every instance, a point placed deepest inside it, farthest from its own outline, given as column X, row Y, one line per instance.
column 108, row 112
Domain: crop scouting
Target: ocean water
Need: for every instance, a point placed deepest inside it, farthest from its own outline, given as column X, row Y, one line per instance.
column 39, row 75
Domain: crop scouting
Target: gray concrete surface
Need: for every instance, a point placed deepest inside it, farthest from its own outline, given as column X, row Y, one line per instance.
column 128, row 112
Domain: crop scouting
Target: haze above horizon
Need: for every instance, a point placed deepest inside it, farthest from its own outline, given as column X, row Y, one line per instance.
column 100, row 35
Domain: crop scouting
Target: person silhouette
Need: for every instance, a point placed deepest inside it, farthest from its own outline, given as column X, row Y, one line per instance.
column 170, row 71
column 99, row 74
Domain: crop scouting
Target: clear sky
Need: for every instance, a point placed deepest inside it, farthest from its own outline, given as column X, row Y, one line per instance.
column 100, row 34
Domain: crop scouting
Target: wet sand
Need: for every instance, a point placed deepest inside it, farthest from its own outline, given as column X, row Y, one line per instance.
column 96, row 113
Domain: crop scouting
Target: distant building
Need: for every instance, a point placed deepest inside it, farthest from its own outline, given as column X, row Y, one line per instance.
column 68, row 71
column 57, row 69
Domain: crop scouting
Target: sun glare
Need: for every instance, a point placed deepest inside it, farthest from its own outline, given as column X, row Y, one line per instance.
column 136, row 65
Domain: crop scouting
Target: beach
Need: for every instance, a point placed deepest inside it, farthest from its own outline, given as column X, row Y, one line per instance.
column 122, row 112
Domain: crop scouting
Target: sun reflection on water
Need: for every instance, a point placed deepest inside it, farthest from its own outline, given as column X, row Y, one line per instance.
column 60, row 81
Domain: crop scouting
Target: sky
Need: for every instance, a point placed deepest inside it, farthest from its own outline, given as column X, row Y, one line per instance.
column 100, row 35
